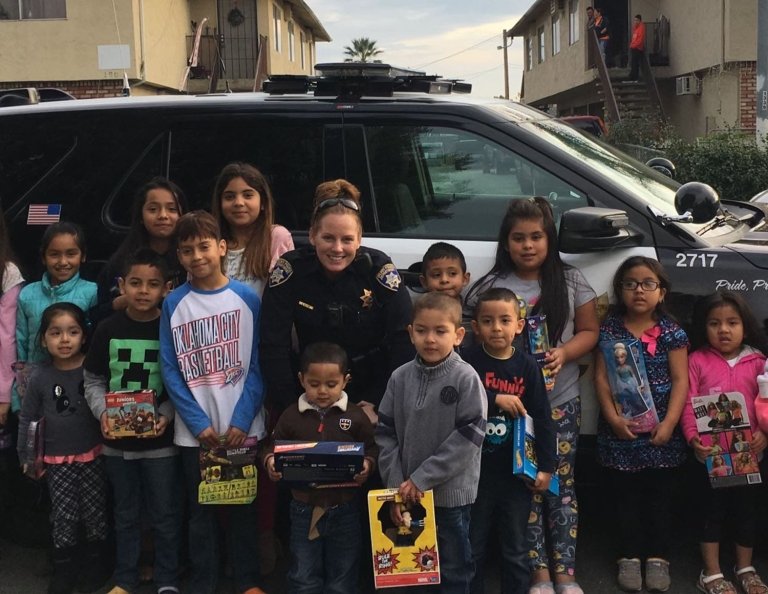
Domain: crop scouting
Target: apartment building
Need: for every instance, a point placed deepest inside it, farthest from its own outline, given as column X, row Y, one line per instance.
column 85, row 47
column 702, row 56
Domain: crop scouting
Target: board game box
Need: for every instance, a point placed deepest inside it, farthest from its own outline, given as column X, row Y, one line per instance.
column 404, row 555
column 722, row 421
column 228, row 475
column 319, row 463
column 131, row 413
column 524, row 452
column 627, row 377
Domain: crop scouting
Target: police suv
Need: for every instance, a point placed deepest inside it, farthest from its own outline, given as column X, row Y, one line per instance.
column 431, row 166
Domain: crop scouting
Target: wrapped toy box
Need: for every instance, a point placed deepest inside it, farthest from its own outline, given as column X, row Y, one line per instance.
column 319, row 463
column 405, row 555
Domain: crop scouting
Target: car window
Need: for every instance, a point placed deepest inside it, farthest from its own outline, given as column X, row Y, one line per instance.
column 440, row 182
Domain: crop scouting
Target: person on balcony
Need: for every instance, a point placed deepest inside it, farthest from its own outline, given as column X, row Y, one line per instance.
column 636, row 47
column 603, row 32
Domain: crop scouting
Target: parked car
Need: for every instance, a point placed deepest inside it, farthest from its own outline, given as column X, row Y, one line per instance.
column 593, row 125
column 431, row 166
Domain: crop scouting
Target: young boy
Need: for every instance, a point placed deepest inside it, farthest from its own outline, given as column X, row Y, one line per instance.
column 431, row 427
column 514, row 387
column 209, row 359
column 124, row 355
column 444, row 269
column 326, row 535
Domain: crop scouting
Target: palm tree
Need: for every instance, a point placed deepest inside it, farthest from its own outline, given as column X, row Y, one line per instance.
column 361, row 50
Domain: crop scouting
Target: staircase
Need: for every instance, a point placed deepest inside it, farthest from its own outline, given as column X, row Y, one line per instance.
column 634, row 100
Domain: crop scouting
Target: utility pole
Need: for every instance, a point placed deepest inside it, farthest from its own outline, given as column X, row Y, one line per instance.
column 504, row 46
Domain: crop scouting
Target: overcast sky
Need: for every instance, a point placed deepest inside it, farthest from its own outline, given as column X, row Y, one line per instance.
column 419, row 34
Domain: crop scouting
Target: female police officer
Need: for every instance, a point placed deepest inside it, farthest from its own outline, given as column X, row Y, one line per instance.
column 336, row 291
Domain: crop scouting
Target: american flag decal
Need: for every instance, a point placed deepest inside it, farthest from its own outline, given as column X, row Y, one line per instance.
column 43, row 214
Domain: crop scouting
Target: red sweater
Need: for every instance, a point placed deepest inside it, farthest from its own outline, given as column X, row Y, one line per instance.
column 638, row 38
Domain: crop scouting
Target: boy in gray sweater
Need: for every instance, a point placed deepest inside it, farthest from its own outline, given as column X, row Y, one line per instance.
column 431, row 428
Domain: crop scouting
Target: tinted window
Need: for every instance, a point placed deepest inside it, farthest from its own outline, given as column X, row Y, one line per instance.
column 439, row 182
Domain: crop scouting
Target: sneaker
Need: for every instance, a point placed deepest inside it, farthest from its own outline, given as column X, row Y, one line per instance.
column 630, row 579
column 568, row 588
column 542, row 588
column 657, row 575
column 715, row 584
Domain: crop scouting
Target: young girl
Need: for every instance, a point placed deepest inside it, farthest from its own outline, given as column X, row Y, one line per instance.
column 62, row 251
column 10, row 286
column 74, row 471
column 528, row 263
column 728, row 358
column 243, row 207
column 156, row 208
column 642, row 466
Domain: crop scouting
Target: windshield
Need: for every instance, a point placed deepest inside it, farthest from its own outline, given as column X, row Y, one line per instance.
column 647, row 185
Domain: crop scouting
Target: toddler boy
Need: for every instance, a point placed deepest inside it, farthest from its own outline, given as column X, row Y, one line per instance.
column 438, row 391
column 124, row 355
column 444, row 269
column 326, row 535
column 209, row 358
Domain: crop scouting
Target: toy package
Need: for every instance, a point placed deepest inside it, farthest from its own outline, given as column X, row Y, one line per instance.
column 403, row 555
column 538, row 345
column 131, row 413
column 625, row 366
column 319, row 464
column 34, row 449
column 722, row 421
column 228, row 475
column 524, row 452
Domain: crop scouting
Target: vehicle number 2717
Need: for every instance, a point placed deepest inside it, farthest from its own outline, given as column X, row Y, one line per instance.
column 695, row 260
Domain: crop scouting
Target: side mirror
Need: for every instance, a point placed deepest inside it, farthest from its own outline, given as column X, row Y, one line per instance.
column 662, row 165
column 591, row 229
column 696, row 201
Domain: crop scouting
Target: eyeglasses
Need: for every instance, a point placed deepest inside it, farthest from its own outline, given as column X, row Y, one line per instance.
column 646, row 285
column 331, row 202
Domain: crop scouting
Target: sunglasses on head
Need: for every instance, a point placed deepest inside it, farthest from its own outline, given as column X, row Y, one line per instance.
column 331, row 202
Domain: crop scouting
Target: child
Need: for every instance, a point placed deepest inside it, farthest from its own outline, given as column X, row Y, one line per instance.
column 729, row 356
column 326, row 535
column 62, row 251
column 156, row 209
column 444, row 269
column 439, row 391
column 74, row 469
column 643, row 467
column 209, row 360
column 514, row 386
column 243, row 207
column 10, row 287
column 124, row 356
column 528, row 263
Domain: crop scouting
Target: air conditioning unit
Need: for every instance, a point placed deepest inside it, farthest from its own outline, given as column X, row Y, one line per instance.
column 688, row 85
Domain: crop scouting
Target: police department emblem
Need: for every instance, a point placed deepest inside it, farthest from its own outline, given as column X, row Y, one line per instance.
column 345, row 424
column 389, row 277
column 280, row 273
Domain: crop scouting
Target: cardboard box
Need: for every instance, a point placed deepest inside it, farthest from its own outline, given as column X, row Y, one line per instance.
column 406, row 555
column 228, row 475
column 538, row 346
column 319, row 463
column 524, row 452
column 131, row 413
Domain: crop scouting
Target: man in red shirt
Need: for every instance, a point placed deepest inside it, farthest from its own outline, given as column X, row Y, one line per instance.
column 636, row 47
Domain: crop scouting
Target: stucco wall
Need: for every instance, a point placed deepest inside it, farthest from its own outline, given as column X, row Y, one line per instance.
column 166, row 26
column 279, row 62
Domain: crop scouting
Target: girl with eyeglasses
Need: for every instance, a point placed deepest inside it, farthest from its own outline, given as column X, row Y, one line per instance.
column 243, row 206
column 528, row 263
column 643, row 466
column 337, row 291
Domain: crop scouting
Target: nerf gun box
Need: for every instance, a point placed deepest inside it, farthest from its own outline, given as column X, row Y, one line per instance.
column 228, row 475
column 319, row 463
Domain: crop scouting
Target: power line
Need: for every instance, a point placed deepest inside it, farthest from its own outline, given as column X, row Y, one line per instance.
column 459, row 52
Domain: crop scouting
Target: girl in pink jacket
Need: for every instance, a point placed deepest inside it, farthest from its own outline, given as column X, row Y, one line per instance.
column 729, row 356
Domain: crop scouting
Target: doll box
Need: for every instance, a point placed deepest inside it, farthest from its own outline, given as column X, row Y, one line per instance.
column 131, row 413
column 228, row 475
column 405, row 555
column 524, row 452
column 319, row 463
column 538, row 346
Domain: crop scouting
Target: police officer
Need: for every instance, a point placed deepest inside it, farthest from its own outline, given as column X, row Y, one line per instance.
column 336, row 291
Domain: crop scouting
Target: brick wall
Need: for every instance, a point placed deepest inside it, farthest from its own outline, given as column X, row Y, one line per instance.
column 80, row 89
column 747, row 96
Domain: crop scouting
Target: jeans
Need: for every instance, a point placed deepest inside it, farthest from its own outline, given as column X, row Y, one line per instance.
column 328, row 564
column 156, row 480
column 455, row 553
column 242, row 542
column 503, row 505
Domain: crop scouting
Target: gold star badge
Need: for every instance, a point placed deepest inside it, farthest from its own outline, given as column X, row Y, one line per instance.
column 367, row 298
